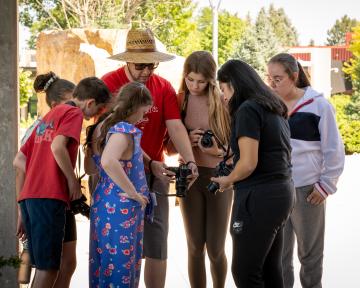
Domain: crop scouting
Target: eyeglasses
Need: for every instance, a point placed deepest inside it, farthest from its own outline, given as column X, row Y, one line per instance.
column 142, row 66
column 275, row 81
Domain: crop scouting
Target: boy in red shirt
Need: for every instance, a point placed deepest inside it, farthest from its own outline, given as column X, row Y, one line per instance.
column 49, row 157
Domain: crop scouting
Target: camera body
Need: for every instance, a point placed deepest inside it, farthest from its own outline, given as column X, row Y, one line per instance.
column 181, row 174
column 206, row 140
column 222, row 169
column 79, row 206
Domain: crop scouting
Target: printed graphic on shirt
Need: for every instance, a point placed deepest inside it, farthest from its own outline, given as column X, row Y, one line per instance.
column 142, row 123
column 44, row 132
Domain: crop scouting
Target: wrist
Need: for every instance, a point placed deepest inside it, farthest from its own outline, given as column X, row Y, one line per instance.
column 190, row 162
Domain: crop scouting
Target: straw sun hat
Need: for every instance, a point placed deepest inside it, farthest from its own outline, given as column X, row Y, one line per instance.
column 141, row 48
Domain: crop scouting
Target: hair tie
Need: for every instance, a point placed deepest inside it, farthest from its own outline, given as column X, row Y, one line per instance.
column 49, row 82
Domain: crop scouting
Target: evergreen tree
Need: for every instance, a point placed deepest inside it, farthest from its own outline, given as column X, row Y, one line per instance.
column 336, row 35
column 282, row 27
column 259, row 44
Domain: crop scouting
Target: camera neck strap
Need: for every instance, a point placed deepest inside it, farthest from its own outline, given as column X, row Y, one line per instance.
column 228, row 155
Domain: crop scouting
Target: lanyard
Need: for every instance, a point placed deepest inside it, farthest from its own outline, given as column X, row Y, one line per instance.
column 300, row 106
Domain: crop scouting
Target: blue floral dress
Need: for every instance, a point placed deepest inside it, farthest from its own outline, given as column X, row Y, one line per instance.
column 117, row 222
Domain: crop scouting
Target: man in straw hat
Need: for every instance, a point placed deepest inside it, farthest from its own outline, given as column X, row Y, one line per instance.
column 142, row 58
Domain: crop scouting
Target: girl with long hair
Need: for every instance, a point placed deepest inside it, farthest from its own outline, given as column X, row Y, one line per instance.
column 263, row 190
column 121, row 194
column 205, row 214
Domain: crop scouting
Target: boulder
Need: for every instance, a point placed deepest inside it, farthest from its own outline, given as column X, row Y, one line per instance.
column 77, row 53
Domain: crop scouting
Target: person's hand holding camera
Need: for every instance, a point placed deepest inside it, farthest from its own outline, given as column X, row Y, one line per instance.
column 158, row 169
column 212, row 149
column 194, row 172
column 195, row 135
column 223, row 181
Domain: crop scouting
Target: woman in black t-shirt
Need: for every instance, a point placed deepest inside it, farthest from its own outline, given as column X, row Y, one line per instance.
column 264, row 192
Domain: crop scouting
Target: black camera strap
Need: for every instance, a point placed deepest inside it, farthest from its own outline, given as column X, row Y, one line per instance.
column 228, row 155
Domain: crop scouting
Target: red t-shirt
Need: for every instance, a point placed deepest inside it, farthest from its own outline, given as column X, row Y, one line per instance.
column 164, row 108
column 44, row 178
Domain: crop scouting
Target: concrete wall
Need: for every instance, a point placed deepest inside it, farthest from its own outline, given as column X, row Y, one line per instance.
column 321, row 70
column 8, row 135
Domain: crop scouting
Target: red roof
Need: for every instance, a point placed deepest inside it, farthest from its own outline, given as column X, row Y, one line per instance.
column 340, row 53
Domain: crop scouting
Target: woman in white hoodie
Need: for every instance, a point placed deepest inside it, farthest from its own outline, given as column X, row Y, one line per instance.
column 318, row 161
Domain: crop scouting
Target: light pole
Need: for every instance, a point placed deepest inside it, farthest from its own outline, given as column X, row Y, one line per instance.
column 215, row 31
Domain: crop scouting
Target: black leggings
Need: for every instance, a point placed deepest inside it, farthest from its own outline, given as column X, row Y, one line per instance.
column 257, row 221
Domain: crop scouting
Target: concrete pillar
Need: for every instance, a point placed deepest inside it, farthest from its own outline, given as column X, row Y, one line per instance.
column 321, row 70
column 8, row 135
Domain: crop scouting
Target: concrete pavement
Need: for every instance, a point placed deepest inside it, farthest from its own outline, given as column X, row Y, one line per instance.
column 342, row 240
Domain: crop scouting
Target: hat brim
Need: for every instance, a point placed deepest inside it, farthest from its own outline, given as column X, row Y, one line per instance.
column 143, row 57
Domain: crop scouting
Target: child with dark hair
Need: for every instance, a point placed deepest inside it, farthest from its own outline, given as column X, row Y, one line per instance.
column 116, row 231
column 57, row 91
column 48, row 158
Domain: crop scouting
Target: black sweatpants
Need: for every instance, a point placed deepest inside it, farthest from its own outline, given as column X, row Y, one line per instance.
column 257, row 221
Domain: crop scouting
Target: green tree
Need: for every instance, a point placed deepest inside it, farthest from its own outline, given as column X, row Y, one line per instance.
column 282, row 27
column 231, row 30
column 25, row 87
column 259, row 44
column 171, row 20
column 336, row 35
column 353, row 69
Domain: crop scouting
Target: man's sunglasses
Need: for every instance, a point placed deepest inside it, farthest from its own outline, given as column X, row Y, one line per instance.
column 142, row 66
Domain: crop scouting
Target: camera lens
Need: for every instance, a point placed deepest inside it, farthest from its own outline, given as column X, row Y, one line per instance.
column 213, row 187
column 206, row 140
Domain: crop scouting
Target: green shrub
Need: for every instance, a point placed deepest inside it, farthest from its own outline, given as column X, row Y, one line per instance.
column 348, row 126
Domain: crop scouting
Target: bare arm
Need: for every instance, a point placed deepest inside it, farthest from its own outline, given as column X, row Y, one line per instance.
column 181, row 141
column 246, row 165
column 89, row 164
column 113, row 152
column 62, row 158
column 20, row 164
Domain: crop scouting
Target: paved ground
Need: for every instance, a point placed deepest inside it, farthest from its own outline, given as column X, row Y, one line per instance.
column 342, row 251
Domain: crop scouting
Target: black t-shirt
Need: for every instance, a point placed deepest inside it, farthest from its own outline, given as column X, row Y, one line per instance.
column 272, row 131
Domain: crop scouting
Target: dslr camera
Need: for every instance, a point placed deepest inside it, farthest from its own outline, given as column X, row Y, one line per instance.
column 206, row 140
column 79, row 206
column 222, row 169
column 181, row 174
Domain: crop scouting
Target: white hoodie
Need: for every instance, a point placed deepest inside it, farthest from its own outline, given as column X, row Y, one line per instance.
column 317, row 149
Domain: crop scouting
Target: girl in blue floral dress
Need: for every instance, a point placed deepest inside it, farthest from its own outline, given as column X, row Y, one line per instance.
column 118, row 202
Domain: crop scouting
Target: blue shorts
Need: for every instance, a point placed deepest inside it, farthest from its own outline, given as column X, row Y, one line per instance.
column 44, row 222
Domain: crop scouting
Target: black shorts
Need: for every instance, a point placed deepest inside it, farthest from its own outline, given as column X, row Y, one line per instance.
column 70, row 227
column 44, row 222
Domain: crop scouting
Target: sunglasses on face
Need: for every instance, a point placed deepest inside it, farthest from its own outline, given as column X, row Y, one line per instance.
column 142, row 66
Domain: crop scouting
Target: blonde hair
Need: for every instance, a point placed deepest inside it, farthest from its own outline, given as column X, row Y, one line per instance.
column 203, row 63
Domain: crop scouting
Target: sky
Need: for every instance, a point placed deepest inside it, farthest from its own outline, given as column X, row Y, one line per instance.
column 311, row 18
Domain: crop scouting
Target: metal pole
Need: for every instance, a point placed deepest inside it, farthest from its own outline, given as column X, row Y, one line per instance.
column 215, row 29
